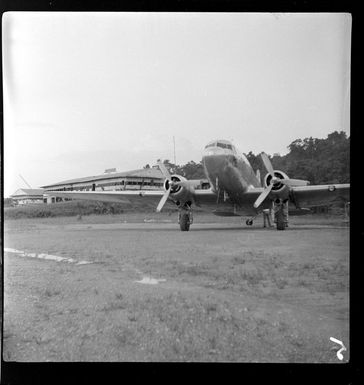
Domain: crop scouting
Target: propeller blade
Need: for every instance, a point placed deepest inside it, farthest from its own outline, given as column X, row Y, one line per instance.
column 164, row 170
column 163, row 200
column 267, row 163
column 167, row 175
column 262, row 196
column 294, row 182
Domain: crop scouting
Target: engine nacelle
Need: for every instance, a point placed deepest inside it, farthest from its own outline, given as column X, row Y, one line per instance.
column 178, row 193
column 278, row 188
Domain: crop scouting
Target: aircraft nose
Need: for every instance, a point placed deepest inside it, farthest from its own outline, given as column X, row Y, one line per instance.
column 213, row 151
column 214, row 161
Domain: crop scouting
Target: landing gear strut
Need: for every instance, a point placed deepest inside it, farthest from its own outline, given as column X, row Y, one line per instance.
column 185, row 217
column 266, row 218
column 249, row 221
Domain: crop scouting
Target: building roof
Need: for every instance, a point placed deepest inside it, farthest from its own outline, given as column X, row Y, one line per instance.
column 28, row 192
column 140, row 173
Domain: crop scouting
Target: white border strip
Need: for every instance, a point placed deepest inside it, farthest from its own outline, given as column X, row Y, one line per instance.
column 46, row 256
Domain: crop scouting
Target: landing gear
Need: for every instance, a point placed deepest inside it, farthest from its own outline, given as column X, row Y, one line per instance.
column 185, row 217
column 266, row 219
column 249, row 221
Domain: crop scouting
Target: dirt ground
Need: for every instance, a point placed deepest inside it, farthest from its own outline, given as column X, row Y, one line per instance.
column 220, row 292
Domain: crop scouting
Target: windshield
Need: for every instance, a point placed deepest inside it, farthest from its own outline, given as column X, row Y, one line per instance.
column 211, row 145
column 224, row 145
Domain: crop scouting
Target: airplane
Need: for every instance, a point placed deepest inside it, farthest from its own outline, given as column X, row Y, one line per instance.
column 235, row 189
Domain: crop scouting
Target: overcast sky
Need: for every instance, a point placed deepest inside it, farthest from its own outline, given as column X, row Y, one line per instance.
column 84, row 92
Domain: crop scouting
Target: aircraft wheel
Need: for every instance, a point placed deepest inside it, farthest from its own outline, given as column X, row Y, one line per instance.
column 280, row 219
column 249, row 222
column 184, row 222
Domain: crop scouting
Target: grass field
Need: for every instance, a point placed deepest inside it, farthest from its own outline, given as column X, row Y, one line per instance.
column 66, row 209
column 85, row 208
column 226, row 292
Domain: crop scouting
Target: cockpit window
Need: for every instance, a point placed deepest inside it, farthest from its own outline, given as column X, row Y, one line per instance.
column 223, row 145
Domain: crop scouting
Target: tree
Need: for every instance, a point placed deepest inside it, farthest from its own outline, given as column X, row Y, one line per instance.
column 192, row 170
column 320, row 160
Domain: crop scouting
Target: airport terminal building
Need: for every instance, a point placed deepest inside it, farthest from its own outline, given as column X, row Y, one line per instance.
column 142, row 179
column 24, row 196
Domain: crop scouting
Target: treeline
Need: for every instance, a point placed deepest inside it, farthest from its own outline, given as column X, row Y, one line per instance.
column 190, row 170
column 320, row 161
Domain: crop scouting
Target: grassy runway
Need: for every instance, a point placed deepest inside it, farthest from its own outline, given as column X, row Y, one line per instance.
column 223, row 291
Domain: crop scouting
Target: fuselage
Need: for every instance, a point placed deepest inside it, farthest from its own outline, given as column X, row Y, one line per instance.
column 228, row 171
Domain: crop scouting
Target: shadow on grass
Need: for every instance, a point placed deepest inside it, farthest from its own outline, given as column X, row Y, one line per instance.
column 202, row 227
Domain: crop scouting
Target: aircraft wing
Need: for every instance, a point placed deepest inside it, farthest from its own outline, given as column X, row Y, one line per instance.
column 310, row 196
column 131, row 196
column 127, row 196
column 306, row 196
column 301, row 197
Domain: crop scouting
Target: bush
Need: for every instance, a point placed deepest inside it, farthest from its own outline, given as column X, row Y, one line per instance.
column 70, row 208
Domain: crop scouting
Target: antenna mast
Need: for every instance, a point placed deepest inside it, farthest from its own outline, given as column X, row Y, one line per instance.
column 25, row 182
column 174, row 150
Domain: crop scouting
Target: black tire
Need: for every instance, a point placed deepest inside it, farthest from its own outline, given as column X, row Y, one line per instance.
column 280, row 219
column 184, row 222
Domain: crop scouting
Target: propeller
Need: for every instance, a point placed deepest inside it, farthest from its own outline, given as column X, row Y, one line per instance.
column 164, row 170
column 267, row 163
column 188, row 184
column 263, row 195
column 167, row 175
column 275, row 180
column 163, row 200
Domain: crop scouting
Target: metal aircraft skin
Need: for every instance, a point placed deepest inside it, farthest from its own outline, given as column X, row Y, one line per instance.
column 234, row 189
